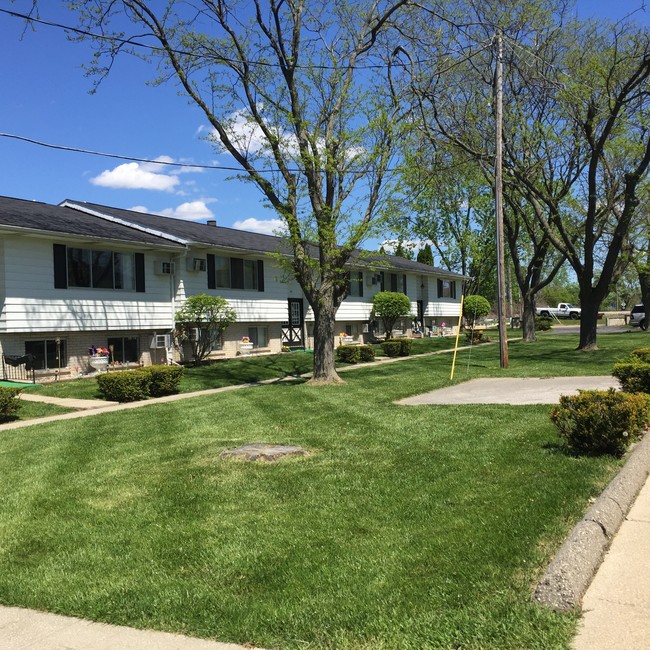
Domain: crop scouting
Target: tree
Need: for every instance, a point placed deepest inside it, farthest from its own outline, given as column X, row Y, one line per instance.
column 295, row 94
column 474, row 308
column 201, row 321
column 425, row 255
column 390, row 306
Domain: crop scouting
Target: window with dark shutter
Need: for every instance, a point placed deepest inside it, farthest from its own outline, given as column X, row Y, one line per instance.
column 212, row 284
column 60, row 270
column 237, row 273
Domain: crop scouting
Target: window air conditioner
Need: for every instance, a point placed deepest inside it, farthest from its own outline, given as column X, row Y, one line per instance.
column 160, row 341
column 164, row 268
column 197, row 264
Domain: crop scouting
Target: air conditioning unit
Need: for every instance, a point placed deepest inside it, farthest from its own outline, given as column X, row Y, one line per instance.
column 161, row 267
column 161, row 341
column 197, row 264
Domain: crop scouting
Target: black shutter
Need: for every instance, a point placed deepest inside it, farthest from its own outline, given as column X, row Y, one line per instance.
column 440, row 289
column 452, row 286
column 237, row 272
column 139, row 272
column 60, row 270
column 382, row 280
column 260, row 275
column 361, row 284
column 212, row 280
column 404, row 284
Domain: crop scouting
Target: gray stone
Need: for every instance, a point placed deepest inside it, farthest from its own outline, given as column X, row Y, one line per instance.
column 263, row 451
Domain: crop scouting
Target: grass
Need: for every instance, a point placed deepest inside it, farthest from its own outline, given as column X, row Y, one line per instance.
column 409, row 528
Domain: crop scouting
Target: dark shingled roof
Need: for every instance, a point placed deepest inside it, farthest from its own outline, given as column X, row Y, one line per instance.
column 209, row 235
column 33, row 216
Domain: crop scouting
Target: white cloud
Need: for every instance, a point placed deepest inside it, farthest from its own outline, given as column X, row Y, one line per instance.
column 262, row 226
column 189, row 211
column 136, row 176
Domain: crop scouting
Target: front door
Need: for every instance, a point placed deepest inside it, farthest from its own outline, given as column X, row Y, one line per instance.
column 292, row 329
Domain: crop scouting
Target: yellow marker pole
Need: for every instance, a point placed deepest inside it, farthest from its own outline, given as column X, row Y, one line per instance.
column 460, row 317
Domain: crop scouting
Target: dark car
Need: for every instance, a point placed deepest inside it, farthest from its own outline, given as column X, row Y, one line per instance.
column 637, row 317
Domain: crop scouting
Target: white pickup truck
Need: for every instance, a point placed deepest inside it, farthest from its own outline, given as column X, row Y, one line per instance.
column 563, row 310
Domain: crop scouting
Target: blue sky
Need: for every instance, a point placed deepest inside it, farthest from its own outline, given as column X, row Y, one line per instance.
column 46, row 98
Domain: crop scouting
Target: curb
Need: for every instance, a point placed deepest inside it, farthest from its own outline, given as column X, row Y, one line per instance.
column 572, row 569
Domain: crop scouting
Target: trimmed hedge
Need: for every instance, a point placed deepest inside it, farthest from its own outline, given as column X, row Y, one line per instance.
column 164, row 380
column 397, row 347
column 543, row 324
column 596, row 422
column 355, row 353
column 9, row 403
column 135, row 385
column 634, row 371
column 348, row 354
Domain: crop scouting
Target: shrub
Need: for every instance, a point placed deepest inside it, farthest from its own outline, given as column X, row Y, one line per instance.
column 634, row 371
column 405, row 347
column 543, row 324
column 598, row 422
column 474, row 308
column 9, row 403
column 391, row 348
column 348, row 354
column 643, row 354
column 164, row 380
column 476, row 336
column 397, row 347
column 124, row 385
column 366, row 353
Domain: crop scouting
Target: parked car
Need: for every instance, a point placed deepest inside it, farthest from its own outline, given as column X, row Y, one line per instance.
column 637, row 317
column 563, row 310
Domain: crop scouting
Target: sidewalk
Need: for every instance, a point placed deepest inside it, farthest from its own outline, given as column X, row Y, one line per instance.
column 25, row 629
column 616, row 607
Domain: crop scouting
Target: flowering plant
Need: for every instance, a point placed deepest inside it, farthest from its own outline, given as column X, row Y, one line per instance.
column 245, row 339
column 344, row 334
column 95, row 351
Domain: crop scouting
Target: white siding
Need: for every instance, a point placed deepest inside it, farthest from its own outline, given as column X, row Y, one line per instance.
column 32, row 303
column 269, row 305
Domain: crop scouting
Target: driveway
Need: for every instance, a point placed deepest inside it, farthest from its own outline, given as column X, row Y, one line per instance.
column 502, row 390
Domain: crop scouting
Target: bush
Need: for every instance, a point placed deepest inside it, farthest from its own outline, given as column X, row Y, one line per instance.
column 348, row 354
column 124, row 385
column 397, row 347
column 476, row 336
column 634, row 371
column 643, row 354
column 164, row 380
column 9, row 403
column 366, row 353
column 543, row 324
column 598, row 422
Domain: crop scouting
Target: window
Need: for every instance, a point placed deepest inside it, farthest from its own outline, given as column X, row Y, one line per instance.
column 235, row 273
column 446, row 289
column 125, row 349
column 97, row 269
column 49, row 354
column 355, row 283
column 259, row 336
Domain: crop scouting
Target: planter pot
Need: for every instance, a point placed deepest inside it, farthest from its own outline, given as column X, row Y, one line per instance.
column 98, row 363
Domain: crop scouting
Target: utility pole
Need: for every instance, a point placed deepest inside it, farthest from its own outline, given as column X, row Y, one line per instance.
column 498, row 199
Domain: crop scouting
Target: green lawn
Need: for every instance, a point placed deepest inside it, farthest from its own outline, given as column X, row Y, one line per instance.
column 408, row 528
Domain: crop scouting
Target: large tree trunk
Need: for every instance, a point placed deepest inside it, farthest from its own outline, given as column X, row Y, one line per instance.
column 589, row 303
column 324, row 322
column 528, row 317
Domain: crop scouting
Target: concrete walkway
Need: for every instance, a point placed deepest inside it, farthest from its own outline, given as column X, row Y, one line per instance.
column 616, row 606
column 25, row 629
column 507, row 390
